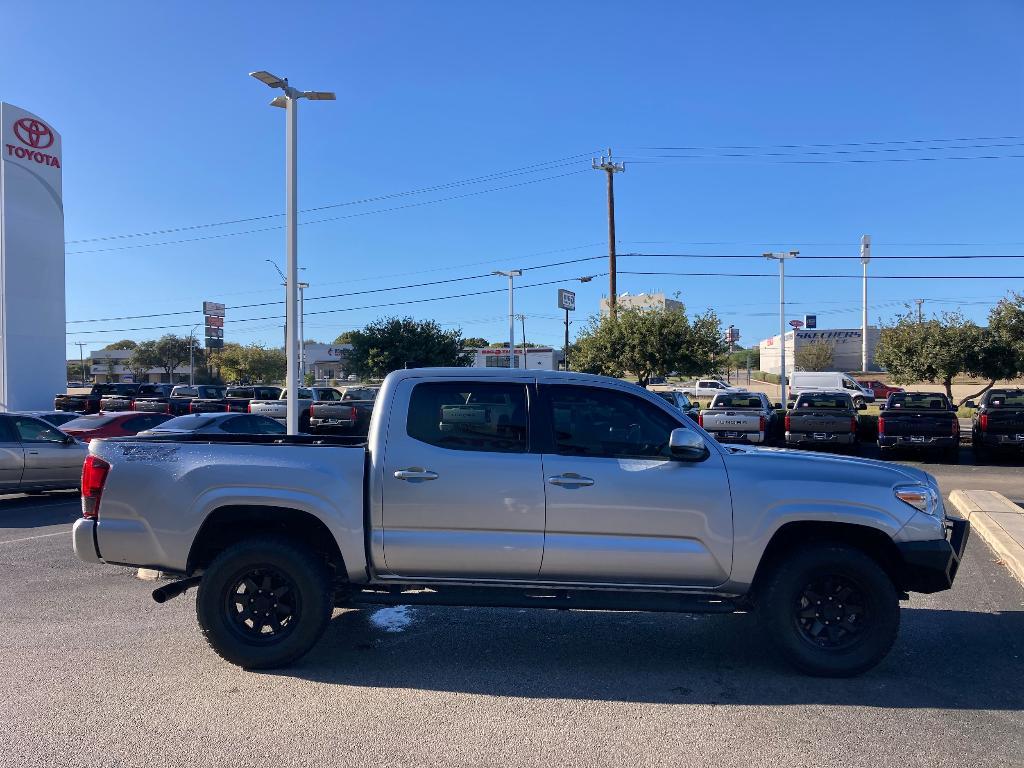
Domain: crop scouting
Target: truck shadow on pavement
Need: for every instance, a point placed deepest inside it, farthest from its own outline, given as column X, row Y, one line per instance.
column 53, row 508
column 943, row 659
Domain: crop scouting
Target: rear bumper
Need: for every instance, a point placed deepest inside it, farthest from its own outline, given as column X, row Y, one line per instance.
column 999, row 441
column 831, row 438
column 755, row 438
column 921, row 441
column 83, row 539
column 931, row 566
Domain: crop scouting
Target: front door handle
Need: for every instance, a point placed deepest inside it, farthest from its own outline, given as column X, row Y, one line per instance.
column 571, row 480
column 415, row 475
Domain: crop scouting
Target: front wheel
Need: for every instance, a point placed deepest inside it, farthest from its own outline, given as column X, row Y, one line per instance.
column 264, row 602
column 830, row 610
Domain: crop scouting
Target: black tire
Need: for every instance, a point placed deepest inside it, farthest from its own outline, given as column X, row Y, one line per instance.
column 980, row 452
column 951, row 455
column 808, row 588
column 886, row 454
column 858, row 402
column 228, row 616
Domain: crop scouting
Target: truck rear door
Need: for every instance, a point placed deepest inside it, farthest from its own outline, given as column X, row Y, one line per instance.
column 12, row 456
column 619, row 508
column 463, row 495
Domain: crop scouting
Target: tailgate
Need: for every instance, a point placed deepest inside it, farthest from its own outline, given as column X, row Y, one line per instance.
column 1005, row 422
column 821, row 421
column 70, row 402
column 208, row 406
column 153, row 406
column 116, row 403
column 276, row 409
column 928, row 425
column 731, row 421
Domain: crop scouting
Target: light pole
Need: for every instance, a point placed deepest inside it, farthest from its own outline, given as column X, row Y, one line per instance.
column 565, row 347
column 290, row 102
column 302, row 330
column 865, row 257
column 510, row 274
column 192, row 356
column 781, row 258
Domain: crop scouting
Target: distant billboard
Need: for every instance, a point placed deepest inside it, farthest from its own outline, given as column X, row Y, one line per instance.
column 810, row 321
column 566, row 300
column 214, row 314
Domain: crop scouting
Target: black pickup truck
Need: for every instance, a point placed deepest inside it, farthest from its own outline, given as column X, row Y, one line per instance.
column 126, row 402
column 920, row 420
column 89, row 402
column 823, row 420
column 998, row 422
column 235, row 399
column 181, row 397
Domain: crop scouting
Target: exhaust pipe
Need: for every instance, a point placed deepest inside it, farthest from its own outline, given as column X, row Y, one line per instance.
column 169, row 591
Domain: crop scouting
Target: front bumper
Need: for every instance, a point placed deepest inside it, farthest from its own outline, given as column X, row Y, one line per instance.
column 931, row 566
column 83, row 538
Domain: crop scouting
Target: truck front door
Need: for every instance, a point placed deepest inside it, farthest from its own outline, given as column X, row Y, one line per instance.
column 620, row 509
column 462, row 495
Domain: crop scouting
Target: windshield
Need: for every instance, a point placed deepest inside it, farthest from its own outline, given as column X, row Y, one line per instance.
column 187, row 423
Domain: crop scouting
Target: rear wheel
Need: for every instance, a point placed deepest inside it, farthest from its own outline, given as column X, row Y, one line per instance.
column 264, row 602
column 831, row 610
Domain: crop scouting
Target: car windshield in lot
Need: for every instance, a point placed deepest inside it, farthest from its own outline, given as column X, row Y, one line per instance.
column 824, row 401
column 185, row 423
column 919, row 401
column 211, row 393
column 88, row 422
column 115, row 389
column 1007, row 398
column 737, row 401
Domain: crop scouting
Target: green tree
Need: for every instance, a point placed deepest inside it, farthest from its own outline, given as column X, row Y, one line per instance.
column 252, row 363
column 144, row 356
column 75, row 372
column 738, row 358
column 476, row 341
column 816, row 356
column 393, row 342
column 172, row 351
column 649, row 342
column 345, row 337
column 121, row 345
column 939, row 349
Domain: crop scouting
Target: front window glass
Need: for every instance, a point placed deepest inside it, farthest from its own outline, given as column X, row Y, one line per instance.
column 35, row 431
column 589, row 421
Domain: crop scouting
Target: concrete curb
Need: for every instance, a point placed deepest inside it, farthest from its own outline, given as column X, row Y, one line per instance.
column 148, row 574
column 998, row 521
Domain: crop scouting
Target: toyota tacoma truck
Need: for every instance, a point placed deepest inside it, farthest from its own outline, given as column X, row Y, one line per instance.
column 89, row 402
column 278, row 408
column 519, row 488
column 920, row 420
column 998, row 422
column 708, row 388
column 740, row 417
column 823, row 420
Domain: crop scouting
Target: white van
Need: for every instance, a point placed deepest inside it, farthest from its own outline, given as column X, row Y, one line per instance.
column 828, row 381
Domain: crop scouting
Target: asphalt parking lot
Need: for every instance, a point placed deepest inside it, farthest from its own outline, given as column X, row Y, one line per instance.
column 97, row 674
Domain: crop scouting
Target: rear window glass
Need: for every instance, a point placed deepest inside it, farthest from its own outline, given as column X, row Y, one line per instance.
column 210, row 393
column 1008, row 399
column 737, row 401
column 115, row 389
column 824, row 401
column 88, row 422
column 919, row 401
column 242, row 392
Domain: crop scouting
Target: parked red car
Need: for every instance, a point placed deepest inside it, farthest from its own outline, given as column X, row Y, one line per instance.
column 881, row 390
column 119, row 424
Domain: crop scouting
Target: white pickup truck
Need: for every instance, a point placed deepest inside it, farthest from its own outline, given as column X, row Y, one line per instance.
column 542, row 489
column 706, row 388
column 278, row 409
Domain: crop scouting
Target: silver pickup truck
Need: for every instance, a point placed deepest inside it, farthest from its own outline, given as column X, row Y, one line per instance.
column 740, row 417
column 497, row 487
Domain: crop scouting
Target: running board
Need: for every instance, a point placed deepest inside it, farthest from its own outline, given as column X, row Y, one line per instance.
column 561, row 599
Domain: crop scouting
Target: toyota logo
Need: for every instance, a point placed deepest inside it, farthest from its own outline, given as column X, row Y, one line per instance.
column 33, row 133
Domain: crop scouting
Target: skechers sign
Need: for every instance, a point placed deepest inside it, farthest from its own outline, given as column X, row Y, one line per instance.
column 33, row 136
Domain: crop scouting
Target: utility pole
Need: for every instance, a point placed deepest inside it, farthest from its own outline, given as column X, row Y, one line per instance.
column 510, row 274
column 81, row 359
column 781, row 258
column 865, row 257
column 565, row 347
column 611, row 168
column 920, row 314
column 192, row 356
column 522, row 319
column 302, row 332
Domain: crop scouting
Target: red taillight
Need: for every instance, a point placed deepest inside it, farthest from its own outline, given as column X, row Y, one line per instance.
column 354, row 414
column 190, row 408
column 167, row 410
column 228, row 407
column 94, row 475
column 248, row 407
column 132, row 406
column 788, row 422
column 956, row 426
column 881, row 425
column 762, row 424
column 983, row 421
column 700, row 419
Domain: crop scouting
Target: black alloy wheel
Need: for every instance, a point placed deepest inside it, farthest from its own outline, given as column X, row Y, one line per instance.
column 830, row 612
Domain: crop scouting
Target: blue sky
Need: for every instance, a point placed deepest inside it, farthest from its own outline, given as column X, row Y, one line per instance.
column 163, row 129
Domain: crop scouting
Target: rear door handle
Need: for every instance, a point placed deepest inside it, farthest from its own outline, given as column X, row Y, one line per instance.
column 570, row 480
column 415, row 475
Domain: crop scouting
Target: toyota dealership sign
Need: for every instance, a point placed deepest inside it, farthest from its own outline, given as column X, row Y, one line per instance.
column 32, row 346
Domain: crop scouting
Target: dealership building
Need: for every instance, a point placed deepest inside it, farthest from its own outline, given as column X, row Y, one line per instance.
column 845, row 343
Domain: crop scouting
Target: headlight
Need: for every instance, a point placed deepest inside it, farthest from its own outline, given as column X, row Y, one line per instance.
column 920, row 497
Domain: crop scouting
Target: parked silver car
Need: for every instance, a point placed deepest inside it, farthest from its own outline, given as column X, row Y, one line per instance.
column 36, row 456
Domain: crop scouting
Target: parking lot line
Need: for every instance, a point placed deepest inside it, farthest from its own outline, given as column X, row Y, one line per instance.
column 30, row 538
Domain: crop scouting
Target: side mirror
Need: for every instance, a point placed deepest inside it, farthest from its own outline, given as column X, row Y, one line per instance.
column 69, row 440
column 687, row 445
column 862, row 406
column 968, row 404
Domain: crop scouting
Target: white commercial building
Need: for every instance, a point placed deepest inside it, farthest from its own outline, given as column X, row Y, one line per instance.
column 642, row 301
column 32, row 328
column 845, row 343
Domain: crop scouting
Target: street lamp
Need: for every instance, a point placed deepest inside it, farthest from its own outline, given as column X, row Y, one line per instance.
column 781, row 258
column 192, row 356
column 289, row 101
column 512, row 273
column 302, row 330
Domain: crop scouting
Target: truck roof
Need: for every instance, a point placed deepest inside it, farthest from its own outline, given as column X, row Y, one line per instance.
column 545, row 376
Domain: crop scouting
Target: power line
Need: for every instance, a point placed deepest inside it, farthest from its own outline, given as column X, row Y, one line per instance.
column 844, row 144
column 527, row 169
column 647, row 161
column 832, row 277
column 329, row 219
